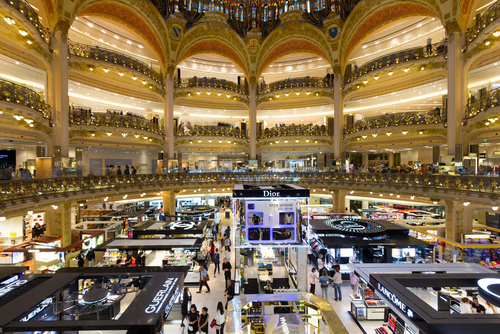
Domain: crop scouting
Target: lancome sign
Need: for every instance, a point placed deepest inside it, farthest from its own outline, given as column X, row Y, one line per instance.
column 395, row 300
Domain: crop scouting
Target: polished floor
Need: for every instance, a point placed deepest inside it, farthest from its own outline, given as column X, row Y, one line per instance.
column 216, row 294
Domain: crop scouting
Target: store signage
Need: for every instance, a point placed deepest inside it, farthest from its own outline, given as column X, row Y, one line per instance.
column 11, row 286
column 358, row 226
column 395, row 300
column 10, row 280
column 268, row 193
column 489, row 289
column 185, row 225
column 284, row 326
column 428, row 272
column 42, row 306
column 161, row 296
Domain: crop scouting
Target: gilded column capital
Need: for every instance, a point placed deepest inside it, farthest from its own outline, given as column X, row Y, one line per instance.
column 452, row 27
column 62, row 26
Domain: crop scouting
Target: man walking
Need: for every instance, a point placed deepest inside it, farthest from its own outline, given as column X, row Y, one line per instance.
column 314, row 278
column 229, row 291
column 226, row 268
column 216, row 259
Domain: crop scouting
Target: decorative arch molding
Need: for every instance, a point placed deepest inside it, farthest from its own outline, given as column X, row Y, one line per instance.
column 481, row 54
column 466, row 13
column 290, row 46
column 47, row 11
column 369, row 16
column 139, row 16
column 214, row 46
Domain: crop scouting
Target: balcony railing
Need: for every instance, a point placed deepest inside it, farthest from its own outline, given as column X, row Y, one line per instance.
column 415, row 53
column 295, row 130
column 111, row 56
column 487, row 18
column 38, row 189
column 84, row 116
column 14, row 93
column 210, row 83
column 210, row 130
column 25, row 8
column 307, row 82
column 489, row 100
column 409, row 118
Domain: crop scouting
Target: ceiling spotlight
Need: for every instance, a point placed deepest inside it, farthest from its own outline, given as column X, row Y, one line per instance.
column 125, row 196
column 381, row 195
column 434, row 202
column 412, row 197
column 134, row 78
column 109, row 133
column 144, row 82
column 105, row 199
column 2, row 219
column 23, row 32
column 9, row 20
column 30, row 212
column 54, row 207
column 29, row 41
column 121, row 74
column 390, row 73
column 105, row 70
column 406, row 69
column 398, row 196
column 495, row 208
column 405, row 132
column 352, row 191
column 466, row 203
column 487, row 42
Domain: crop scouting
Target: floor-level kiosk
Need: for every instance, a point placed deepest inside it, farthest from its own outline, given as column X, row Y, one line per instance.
column 104, row 300
column 268, row 236
column 426, row 298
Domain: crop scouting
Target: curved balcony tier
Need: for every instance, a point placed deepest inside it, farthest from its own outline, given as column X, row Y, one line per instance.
column 488, row 17
column 19, row 195
column 489, row 100
column 398, row 57
column 217, row 84
column 12, row 93
column 210, row 130
column 296, row 130
column 31, row 15
column 114, row 57
column 84, row 116
column 390, row 120
column 290, row 84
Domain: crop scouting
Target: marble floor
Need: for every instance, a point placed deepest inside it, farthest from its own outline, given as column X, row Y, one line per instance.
column 216, row 294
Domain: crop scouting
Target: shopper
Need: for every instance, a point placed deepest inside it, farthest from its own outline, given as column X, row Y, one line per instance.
column 314, row 279
column 227, row 244
column 80, row 259
column 193, row 318
column 186, row 299
column 215, row 231
column 127, row 170
column 490, row 309
column 324, row 280
column 216, row 260
column 36, row 231
column 203, row 321
column 119, row 170
column 90, row 257
column 220, row 319
column 227, row 232
column 337, row 283
column 229, row 291
column 465, row 306
column 354, row 280
column 134, row 171
column 204, row 278
column 226, row 268
column 478, row 308
column 320, row 263
column 212, row 251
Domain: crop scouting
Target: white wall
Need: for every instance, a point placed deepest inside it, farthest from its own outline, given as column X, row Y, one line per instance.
column 23, row 155
column 11, row 225
column 141, row 158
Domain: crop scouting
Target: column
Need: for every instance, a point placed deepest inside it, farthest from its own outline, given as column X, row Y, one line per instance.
column 364, row 158
column 338, row 201
column 58, row 222
column 57, row 91
column 169, row 120
column 458, row 219
column 457, row 97
column 391, row 159
column 253, row 122
column 301, row 268
column 168, row 203
column 338, row 107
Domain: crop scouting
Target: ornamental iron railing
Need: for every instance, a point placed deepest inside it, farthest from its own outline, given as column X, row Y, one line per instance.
column 196, row 82
column 112, row 56
column 487, row 101
column 408, row 118
column 432, row 50
column 295, row 130
column 210, row 130
column 14, row 93
column 37, row 189
column 113, row 118
column 25, row 8
column 488, row 17
column 306, row 82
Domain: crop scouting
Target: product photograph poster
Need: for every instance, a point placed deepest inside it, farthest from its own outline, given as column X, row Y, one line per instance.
column 259, row 234
column 255, row 218
column 287, row 218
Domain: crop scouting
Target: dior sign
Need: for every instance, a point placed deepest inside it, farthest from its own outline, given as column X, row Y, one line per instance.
column 268, row 193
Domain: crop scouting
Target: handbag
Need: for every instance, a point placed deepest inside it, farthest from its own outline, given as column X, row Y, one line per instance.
column 190, row 328
column 212, row 324
column 206, row 278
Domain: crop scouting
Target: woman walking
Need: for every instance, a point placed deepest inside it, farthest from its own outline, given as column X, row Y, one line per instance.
column 323, row 280
column 194, row 316
column 220, row 319
column 186, row 299
column 204, row 278
column 203, row 321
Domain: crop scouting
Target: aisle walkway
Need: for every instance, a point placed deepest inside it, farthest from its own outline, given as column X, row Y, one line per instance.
column 217, row 287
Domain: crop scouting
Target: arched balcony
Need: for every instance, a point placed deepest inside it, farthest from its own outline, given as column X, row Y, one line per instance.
column 211, row 131
column 291, row 84
column 296, row 130
column 11, row 92
column 114, row 118
column 419, row 52
column 486, row 19
column 31, row 15
column 489, row 100
column 216, row 84
column 112, row 56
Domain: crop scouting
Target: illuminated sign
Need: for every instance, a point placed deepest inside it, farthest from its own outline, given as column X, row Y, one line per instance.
column 9, row 287
column 42, row 306
column 157, row 303
column 395, row 300
column 489, row 289
column 284, row 326
column 10, row 280
column 268, row 193
column 185, row 225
